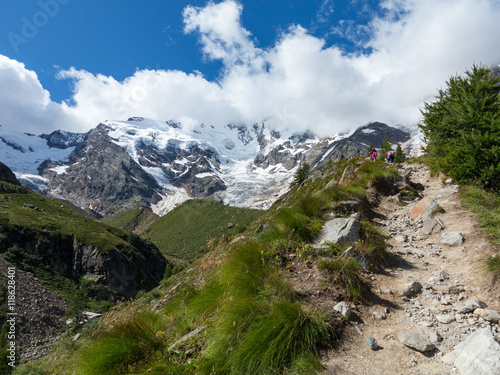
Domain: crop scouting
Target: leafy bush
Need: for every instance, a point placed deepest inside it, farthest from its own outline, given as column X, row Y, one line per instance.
column 462, row 128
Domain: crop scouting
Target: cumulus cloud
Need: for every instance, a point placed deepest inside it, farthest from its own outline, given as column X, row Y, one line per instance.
column 300, row 82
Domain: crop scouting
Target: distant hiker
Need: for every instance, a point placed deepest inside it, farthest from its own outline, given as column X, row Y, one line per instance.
column 392, row 154
column 387, row 157
column 374, row 155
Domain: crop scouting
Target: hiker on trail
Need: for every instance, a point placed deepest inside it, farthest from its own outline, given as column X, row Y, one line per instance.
column 387, row 157
column 374, row 155
column 391, row 156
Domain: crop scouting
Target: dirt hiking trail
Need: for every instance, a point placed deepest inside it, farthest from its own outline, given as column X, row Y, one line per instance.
column 449, row 275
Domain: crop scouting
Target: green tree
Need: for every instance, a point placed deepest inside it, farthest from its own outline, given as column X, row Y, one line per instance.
column 386, row 146
column 462, row 128
column 301, row 175
column 372, row 147
column 400, row 156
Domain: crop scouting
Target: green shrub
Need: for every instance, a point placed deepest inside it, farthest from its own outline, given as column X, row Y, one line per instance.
column 462, row 128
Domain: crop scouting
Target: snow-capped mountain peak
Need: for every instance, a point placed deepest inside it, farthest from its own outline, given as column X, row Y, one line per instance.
column 124, row 164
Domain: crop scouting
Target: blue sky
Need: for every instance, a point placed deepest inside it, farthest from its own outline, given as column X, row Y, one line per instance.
column 328, row 65
column 117, row 37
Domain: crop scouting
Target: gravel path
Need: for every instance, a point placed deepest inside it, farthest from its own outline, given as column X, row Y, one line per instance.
column 449, row 276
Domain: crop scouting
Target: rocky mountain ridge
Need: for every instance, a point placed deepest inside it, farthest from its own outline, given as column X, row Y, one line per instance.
column 141, row 162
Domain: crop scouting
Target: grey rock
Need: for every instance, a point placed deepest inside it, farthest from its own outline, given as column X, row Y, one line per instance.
column 379, row 316
column 343, row 308
column 471, row 305
column 340, row 230
column 431, row 226
column 400, row 238
column 414, row 288
column 372, row 343
column 478, row 354
column 416, row 341
column 435, row 337
column 490, row 316
column 445, row 318
column 452, row 238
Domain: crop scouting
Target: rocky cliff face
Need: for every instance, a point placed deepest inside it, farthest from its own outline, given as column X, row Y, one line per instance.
column 124, row 270
column 41, row 233
column 141, row 162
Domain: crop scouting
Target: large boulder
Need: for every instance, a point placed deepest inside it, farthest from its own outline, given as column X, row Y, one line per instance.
column 340, row 230
column 478, row 354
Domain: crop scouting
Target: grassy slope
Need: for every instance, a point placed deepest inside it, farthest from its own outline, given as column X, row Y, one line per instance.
column 184, row 231
column 38, row 213
column 26, row 214
column 136, row 220
column 238, row 291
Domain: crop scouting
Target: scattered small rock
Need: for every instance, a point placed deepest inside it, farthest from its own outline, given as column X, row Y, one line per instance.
column 435, row 337
column 445, row 318
column 343, row 308
column 414, row 288
column 372, row 343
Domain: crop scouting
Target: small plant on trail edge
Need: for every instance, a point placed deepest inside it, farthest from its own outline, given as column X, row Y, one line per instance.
column 493, row 264
column 345, row 271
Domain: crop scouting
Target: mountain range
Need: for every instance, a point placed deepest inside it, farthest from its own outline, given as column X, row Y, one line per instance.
column 121, row 165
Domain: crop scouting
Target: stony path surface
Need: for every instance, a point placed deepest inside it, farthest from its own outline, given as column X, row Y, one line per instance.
column 450, row 278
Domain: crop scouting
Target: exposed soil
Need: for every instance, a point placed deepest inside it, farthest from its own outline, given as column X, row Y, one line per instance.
column 450, row 276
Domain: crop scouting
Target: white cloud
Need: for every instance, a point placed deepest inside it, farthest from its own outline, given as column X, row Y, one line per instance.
column 299, row 81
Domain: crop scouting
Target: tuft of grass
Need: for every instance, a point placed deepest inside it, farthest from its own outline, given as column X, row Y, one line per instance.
column 372, row 244
column 493, row 264
column 344, row 271
column 299, row 225
column 486, row 205
column 124, row 345
column 257, row 327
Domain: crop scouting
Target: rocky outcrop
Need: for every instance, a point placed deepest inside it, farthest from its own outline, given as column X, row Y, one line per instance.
column 102, row 176
column 125, row 269
column 7, row 175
